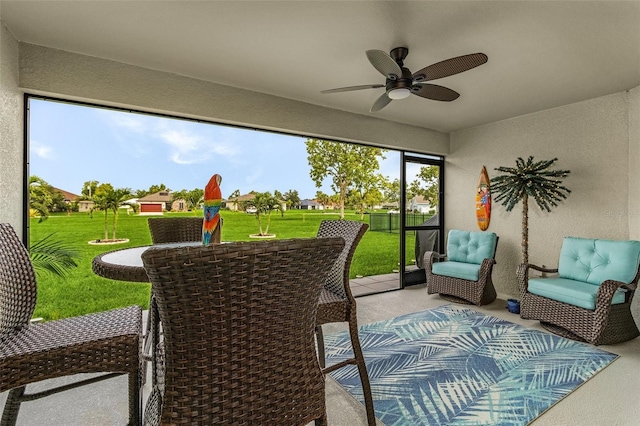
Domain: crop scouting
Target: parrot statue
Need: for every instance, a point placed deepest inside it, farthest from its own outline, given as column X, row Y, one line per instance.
column 212, row 203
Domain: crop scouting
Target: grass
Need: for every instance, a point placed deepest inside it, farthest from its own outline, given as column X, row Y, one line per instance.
column 81, row 291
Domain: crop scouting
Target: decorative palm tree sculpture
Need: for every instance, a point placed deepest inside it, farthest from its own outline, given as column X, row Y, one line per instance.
column 529, row 179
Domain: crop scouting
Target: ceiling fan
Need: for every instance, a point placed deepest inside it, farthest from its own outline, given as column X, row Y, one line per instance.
column 401, row 83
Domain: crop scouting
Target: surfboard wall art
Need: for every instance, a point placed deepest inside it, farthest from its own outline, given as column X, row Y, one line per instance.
column 483, row 200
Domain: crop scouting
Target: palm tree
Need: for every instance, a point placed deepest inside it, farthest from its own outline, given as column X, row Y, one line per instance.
column 115, row 199
column 39, row 197
column 529, row 179
column 52, row 256
column 264, row 204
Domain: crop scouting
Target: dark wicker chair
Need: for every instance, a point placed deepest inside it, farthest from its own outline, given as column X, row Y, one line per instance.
column 238, row 326
column 337, row 304
column 105, row 342
column 171, row 230
column 458, row 290
column 605, row 325
column 178, row 229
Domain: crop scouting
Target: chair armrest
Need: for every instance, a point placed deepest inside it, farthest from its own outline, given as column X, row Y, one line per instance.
column 522, row 273
column 428, row 259
column 608, row 288
column 485, row 269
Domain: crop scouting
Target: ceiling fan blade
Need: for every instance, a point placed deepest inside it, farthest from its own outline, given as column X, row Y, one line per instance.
column 350, row 88
column 435, row 92
column 450, row 67
column 380, row 103
column 384, row 63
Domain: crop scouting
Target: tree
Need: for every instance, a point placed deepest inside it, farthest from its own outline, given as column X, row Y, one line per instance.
column 322, row 198
column 427, row 184
column 100, row 200
column 348, row 165
column 292, row 198
column 391, row 190
column 89, row 189
column 193, row 198
column 366, row 194
column 529, row 179
column 235, row 194
column 264, row 203
column 117, row 198
column 107, row 198
column 40, row 198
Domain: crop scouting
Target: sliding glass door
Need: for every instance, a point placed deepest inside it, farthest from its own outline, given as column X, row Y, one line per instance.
column 422, row 207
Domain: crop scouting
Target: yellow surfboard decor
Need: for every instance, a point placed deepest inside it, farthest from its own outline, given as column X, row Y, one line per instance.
column 483, row 200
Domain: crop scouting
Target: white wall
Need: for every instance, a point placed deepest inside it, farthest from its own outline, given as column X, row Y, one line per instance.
column 590, row 138
column 634, row 160
column 80, row 77
column 11, row 137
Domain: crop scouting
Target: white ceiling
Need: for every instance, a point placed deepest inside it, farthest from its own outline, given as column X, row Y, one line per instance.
column 541, row 54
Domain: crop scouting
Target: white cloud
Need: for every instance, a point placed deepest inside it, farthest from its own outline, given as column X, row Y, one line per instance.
column 128, row 121
column 189, row 148
column 41, row 150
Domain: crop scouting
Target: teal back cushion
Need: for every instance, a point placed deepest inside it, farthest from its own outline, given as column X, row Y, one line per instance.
column 594, row 261
column 470, row 247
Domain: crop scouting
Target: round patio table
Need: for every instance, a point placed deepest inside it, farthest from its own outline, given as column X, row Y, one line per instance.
column 126, row 264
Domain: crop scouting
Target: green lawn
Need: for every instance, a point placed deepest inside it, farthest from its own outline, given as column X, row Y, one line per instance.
column 83, row 292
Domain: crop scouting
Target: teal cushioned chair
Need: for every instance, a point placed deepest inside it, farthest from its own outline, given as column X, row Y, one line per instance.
column 465, row 275
column 589, row 296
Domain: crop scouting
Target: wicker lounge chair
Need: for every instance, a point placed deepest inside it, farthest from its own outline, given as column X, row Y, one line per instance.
column 238, row 327
column 466, row 275
column 337, row 304
column 590, row 297
column 105, row 342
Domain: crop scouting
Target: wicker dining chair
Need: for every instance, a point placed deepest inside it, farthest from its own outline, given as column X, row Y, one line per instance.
column 337, row 304
column 238, row 326
column 170, row 230
column 106, row 342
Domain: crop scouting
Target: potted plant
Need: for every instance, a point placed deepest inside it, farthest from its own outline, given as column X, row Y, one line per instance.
column 529, row 179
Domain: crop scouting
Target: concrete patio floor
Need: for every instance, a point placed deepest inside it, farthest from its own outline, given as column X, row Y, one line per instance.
column 608, row 398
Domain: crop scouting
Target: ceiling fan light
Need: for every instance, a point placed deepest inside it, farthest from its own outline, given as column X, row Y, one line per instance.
column 401, row 93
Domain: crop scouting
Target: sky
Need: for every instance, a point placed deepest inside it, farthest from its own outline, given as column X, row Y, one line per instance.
column 71, row 144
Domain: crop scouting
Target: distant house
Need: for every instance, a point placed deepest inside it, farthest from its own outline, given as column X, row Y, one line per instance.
column 237, row 203
column 419, row 204
column 69, row 197
column 85, row 205
column 155, row 204
column 310, row 205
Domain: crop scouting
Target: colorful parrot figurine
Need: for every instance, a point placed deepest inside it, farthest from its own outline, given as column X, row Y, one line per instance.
column 212, row 202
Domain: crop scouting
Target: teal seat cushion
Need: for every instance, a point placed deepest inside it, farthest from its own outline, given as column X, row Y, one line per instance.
column 577, row 293
column 470, row 247
column 594, row 261
column 465, row 271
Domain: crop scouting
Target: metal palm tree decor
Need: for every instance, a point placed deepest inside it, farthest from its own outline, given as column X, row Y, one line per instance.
column 529, row 179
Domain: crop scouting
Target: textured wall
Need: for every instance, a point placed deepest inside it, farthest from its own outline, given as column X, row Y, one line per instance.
column 634, row 159
column 590, row 138
column 80, row 77
column 11, row 140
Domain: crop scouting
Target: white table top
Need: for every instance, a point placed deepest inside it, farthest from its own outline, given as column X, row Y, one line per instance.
column 132, row 256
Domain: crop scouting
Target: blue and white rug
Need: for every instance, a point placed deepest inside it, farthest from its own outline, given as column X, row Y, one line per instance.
column 455, row 366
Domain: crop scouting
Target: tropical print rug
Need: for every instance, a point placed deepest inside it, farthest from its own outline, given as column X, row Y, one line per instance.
column 455, row 366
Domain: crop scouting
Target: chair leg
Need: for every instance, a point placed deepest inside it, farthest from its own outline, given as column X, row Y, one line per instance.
column 12, row 406
column 362, row 371
column 135, row 398
column 320, row 342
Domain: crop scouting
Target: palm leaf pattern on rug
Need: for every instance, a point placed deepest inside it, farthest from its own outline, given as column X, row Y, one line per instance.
column 455, row 366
